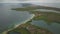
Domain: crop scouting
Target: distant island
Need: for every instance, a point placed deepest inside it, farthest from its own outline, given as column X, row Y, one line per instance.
column 47, row 16
column 32, row 6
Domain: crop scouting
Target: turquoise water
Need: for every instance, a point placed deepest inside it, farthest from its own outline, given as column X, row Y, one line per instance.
column 9, row 18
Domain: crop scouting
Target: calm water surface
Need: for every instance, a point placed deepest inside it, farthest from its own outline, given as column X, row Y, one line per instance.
column 9, row 18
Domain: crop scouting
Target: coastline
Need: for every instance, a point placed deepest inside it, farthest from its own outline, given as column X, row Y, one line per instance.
column 32, row 16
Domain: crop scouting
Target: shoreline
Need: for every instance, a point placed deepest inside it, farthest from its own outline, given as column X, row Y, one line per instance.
column 32, row 16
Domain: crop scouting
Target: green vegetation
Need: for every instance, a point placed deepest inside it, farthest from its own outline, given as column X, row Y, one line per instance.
column 24, row 9
column 48, row 17
column 28, row 28
column 20, row 30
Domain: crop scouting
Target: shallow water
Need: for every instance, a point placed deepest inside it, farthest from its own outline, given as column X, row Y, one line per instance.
column 53, row 27
column 9, row 18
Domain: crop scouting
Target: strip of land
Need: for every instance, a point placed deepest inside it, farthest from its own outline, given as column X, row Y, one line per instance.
column 28, row 28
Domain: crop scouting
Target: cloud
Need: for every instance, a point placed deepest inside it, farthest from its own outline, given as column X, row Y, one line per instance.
column 30, row 1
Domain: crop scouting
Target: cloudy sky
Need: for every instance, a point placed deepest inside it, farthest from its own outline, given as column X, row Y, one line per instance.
column 31, row 1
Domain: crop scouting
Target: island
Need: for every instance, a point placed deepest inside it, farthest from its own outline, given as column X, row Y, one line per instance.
column 28, row 28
